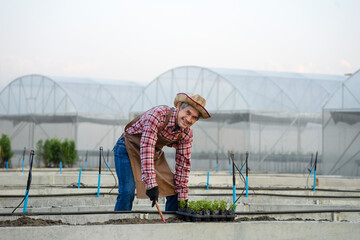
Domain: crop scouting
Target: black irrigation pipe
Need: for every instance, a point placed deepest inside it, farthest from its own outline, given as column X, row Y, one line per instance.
column 218, row 188
column 275, row 195
column 173, row 212
column 194, row 194
column 277, row 189
column 224, row 188
column 298, row 211
column 55, row 195
column 79, row 213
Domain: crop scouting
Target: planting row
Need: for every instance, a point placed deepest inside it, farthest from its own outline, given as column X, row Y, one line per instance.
column 206, row 210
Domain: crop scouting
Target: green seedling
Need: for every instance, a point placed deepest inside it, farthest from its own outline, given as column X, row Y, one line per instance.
column 232, row 207
column 207, row 205
column 182, row 204
column 223, row 205
column 215, row 205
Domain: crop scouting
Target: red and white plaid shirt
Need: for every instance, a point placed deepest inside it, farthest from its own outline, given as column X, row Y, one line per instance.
column 148, row 125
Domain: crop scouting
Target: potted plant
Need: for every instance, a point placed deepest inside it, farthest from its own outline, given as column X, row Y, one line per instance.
column 207, row 208
column 198, row 207
column 223, row 205
column 190, row 211
column 215, row 208
column 182, row 205
column 231, row 210
column 191, row 207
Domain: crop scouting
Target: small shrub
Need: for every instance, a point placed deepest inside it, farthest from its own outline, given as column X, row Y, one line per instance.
column 39, row 156
column 5, row 150
column 52, row 151
column 69, row 153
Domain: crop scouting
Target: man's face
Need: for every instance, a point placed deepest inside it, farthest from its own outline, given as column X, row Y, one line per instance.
column 187, row 116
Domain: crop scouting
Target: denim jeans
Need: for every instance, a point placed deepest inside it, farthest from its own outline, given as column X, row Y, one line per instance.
column 125, row 198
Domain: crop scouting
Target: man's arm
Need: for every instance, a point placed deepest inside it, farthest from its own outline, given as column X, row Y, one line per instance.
column 152, row 123
column 183, row 165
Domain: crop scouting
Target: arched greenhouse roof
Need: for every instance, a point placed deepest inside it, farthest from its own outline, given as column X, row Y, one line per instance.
column 347, row 96
column 44, row 96
column 344, row 104
column 234, row 90
column 100, row 95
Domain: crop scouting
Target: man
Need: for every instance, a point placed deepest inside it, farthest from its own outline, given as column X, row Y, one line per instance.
column 139, row 161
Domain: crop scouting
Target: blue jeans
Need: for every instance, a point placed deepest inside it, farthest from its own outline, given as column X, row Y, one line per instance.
column 124, row 200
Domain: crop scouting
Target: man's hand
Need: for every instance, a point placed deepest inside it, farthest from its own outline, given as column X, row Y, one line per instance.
column 153, row 194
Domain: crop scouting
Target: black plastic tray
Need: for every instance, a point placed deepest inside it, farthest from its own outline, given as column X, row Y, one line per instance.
column 194, row 217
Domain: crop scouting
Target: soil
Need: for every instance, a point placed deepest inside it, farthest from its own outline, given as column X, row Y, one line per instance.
column 261, row 218
column 27, row 221
column 137, row 221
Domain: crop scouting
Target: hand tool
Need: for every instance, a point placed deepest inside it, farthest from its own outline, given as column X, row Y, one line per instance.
column 158, row 208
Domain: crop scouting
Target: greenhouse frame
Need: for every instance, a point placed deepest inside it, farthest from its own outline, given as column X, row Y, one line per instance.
column 275, row 116
column 90, row 112
column 341, row 129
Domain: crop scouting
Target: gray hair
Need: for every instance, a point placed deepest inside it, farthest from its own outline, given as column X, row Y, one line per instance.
column 184, row 105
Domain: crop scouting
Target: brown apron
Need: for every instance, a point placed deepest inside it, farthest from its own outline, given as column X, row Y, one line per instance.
column 164, row 175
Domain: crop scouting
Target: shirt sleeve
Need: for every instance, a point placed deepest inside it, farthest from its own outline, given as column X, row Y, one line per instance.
column 183, row 165
column 152, row 123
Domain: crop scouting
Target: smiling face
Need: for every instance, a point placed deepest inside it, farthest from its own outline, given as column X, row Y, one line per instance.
column 187, row 116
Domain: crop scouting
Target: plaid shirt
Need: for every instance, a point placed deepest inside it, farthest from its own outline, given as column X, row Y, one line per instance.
column 148, row 125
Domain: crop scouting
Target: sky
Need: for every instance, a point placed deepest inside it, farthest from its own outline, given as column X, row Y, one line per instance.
column 138, row 40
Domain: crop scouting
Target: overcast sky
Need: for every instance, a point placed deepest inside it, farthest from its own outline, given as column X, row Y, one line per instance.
column 138, row 40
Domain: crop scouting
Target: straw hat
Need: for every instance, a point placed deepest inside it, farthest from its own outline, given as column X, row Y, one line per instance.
column 197, row 101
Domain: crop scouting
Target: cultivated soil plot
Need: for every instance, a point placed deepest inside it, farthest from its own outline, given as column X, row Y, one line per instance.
column 27, row 221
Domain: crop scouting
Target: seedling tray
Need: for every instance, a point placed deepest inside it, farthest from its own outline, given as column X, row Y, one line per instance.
column 194, row 217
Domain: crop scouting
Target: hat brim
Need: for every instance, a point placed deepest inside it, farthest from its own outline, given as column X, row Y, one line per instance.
column 183, row 97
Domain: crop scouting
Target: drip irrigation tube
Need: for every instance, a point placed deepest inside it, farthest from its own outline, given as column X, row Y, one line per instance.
column 277, row 189
column 229, row 188
column 190, row 194
column 173, row 212
column 275, row 195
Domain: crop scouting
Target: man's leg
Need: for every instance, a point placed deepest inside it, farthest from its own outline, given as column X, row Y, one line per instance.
column 171, row 203
column 124, row 172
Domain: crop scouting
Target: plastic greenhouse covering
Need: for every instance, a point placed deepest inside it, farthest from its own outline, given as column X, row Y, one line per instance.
column 341, row 129
column 274, row 116
column 92, row 112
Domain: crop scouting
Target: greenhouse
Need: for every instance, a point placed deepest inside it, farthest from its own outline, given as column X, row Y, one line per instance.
column 91, row 112
column 341, row 129
column 275, row 116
